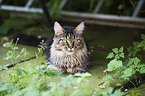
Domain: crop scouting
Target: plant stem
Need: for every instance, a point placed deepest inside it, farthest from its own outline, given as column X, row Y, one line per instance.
column 45, row 81
column 132, row 83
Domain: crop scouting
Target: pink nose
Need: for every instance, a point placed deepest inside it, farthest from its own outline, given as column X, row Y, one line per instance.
column 71, row 49
column 70, row 44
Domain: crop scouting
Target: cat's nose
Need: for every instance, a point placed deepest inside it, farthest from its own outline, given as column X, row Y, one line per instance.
column 71, row 49
column 70, row 44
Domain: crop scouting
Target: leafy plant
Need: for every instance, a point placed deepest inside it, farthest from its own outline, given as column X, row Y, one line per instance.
column 33, row 80
column 23, row 82
column 12, row 24
column 12, row 54
column 125, row 68
column 116, row 63
column 110, row 92
column 53, row 5
column 41, row 48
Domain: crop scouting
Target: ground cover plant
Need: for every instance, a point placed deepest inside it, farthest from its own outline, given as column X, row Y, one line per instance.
column 34, row 80
column 126, row 66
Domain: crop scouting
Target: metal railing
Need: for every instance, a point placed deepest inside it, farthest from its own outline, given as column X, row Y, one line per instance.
column 95, row 15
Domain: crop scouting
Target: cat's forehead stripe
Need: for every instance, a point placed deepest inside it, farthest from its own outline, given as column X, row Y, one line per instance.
column 68, row 29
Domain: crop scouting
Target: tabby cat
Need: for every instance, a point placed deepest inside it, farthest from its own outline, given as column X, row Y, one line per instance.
column 68, row 51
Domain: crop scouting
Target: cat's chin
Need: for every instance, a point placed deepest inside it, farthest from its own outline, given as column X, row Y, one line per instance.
column 69, row 53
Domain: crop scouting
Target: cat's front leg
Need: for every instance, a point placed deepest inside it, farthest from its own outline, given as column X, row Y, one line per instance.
column 76, row 69
column 52, row 67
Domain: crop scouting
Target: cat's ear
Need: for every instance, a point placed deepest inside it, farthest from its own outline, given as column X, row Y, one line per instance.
column 79, row 29
column 58, row 29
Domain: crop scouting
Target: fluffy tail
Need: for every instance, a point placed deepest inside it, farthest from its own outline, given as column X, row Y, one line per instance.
column 26, row 39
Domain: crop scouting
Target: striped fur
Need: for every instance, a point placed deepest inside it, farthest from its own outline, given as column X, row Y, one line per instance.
column 68, row 51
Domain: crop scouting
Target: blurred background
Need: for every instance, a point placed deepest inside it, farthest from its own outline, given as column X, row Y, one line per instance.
column 122, row 13
column 108, row 23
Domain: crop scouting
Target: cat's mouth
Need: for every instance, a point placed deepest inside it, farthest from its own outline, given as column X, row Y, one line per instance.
column 69, row 52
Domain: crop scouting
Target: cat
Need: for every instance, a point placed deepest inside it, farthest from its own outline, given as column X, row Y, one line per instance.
column 68, row 51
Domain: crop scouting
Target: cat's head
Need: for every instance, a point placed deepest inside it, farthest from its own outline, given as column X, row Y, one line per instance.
column 68, row 39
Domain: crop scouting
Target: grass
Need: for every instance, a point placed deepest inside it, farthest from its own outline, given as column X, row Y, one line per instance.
column 115, row 38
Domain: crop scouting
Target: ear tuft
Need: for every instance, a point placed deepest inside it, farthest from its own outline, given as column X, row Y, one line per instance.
column 58, row 28
column 79, row 29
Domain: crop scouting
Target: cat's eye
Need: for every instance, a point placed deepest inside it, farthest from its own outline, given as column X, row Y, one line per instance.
column 64, row 40
column 76, row 40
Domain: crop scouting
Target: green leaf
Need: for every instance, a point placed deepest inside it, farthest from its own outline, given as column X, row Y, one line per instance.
column 7, row 44
column 110, row 55
column 120, row 7
column 3, row 87
column 142, row 70
column 117, row 56
column 51, row 73
column 25, row 72
column 121, row 49
column 114, row 64
column 143, row 36
column 108, row 77
column 19, row 71
column 134, row 61
column 118, row 93
column 108, row 92
column 115, row 50
column 18, row 56
column 57, row 73
column 9, row 55
column 39, row 76
column 23, row 52
column 142, row 44
column 3, row 67
column 15, row 48
column 128, row 72
column 122, row 55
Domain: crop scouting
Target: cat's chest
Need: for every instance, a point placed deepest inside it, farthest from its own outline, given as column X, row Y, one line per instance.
column 62, row 55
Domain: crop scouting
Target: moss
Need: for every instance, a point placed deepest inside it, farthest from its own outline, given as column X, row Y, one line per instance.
column 133, row 92
column 4, row 50
column 136, row 91
column 114, row 37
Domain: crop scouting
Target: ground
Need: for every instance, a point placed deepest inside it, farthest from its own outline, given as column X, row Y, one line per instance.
column 101, row 39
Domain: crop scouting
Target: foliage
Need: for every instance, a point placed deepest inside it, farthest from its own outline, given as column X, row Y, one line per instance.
column 111, row 93
column 12, row 24
column 53, row 6
column 41, row 48
column 126, row 67
column 30, row 81
column 23, row 82
column 34, row 80
column 142, row 43
column 12, row 54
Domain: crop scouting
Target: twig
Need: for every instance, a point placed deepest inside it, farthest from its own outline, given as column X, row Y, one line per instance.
column 132, row 83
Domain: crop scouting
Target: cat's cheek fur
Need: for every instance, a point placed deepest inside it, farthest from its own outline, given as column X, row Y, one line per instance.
column 68, row 51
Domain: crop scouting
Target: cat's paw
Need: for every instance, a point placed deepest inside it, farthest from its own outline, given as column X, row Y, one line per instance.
column 52, row 67
column 75, row 70
column 80, row 70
